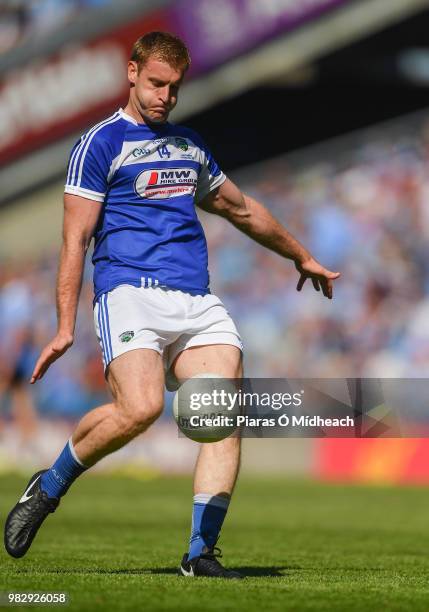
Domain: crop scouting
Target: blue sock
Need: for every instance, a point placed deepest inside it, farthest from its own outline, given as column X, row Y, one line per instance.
column 208, row 515
column 65, row 470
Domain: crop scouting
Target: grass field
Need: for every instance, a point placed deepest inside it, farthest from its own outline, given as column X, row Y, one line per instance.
column 115, row 543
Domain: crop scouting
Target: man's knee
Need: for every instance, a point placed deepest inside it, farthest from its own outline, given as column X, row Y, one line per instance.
column 137, row 416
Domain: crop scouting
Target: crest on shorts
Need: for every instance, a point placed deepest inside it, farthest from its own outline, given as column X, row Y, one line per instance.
column 126, row 336
column 181, row 143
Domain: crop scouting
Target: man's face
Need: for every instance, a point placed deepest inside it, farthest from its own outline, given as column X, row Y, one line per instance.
column 156, row 88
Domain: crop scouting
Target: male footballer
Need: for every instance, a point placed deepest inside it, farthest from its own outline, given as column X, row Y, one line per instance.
column 132, row 184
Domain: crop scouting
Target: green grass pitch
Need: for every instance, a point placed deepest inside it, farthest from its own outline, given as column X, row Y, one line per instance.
column 115, row 543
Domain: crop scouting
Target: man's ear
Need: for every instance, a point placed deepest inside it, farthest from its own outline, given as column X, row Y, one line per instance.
column 133, row 71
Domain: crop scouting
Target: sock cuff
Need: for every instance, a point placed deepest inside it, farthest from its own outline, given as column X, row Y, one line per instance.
column 75, row 457
column 213, row 500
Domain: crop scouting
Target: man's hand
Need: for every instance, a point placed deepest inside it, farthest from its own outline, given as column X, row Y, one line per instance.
column 320, row 276
column 51, row 353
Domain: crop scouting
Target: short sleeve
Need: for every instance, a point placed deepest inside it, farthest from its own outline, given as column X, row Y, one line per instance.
column 88, row 168
column 211, row 176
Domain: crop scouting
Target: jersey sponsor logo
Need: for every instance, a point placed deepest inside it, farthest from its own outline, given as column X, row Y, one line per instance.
column 141, row 152
column 160, row 183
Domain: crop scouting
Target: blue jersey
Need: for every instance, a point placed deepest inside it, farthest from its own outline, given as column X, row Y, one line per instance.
column 149, row 179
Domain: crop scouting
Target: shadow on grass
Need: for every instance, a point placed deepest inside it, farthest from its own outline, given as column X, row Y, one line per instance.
column 247, row 571
column 264, row 571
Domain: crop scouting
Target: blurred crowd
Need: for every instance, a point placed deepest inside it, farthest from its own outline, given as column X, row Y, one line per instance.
column 362, row 209
column 21, row 20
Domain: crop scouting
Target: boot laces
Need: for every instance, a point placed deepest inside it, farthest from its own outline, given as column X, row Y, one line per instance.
column 214, row 552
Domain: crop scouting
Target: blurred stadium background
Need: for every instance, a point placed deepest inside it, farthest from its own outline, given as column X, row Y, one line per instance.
column 321, row 110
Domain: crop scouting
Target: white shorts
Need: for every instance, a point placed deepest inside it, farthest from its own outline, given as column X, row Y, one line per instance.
column 165, row 320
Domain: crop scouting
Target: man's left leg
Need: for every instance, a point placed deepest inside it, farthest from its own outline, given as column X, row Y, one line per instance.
column 217, row 465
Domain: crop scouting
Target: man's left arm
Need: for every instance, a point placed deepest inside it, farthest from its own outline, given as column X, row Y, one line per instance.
column 251, row 217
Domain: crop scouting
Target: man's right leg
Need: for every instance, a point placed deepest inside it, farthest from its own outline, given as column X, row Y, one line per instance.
column 136, row 380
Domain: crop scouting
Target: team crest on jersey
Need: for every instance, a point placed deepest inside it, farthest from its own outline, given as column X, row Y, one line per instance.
column 126, row 336
column 181, row 143
column 160, row 183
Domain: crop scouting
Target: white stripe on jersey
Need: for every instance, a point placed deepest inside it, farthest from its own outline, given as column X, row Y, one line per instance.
column 74, row 157
column 76, row 152
column 88, row 142
column 146, row 151
column 73, row 160
column 85, row 193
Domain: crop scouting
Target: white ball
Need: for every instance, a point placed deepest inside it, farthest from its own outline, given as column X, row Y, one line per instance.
column 206, row 406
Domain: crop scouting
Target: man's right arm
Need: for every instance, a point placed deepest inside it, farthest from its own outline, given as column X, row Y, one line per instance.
column 80, row 220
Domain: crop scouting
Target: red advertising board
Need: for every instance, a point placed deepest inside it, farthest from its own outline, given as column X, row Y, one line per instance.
column 48, row 99
column 372, row 460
